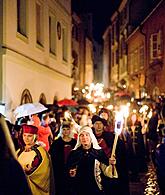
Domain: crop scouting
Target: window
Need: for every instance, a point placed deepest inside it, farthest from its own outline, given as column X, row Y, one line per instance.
column 26, row 97
column 117, row 56
column 22, row 17
column 42, row 99
column 113, row 59
column 64, row 44
column 113, row 35
column 75, row 32
column 39, row 24
column 136, row 67
column 156, row 46
column 133, row 61
column 141, row 56
column 52, row 34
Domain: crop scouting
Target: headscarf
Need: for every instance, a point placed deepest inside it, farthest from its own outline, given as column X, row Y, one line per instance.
column 93, row 138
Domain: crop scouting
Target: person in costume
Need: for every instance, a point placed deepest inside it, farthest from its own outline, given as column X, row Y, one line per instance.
column 108, row 116
column 120, row 184
column 12, row 178
column 59, row 151
column 158, row 155
column 87, row 165
column 136, row 148
column 36, row 163
column 44, row 131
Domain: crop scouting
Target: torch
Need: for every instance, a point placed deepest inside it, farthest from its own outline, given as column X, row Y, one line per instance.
column 68, row 116
column 119, row 120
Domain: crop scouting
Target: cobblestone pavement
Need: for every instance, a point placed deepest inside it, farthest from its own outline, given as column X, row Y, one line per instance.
column 147, row 185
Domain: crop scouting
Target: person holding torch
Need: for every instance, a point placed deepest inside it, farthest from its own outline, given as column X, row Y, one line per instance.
column 115, row 150
column 87, row 165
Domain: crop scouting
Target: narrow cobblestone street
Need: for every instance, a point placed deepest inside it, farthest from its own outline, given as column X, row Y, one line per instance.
column 147, row 185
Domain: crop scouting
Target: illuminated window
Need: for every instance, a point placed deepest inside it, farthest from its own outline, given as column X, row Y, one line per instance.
column 141, row 56
column 156, row 46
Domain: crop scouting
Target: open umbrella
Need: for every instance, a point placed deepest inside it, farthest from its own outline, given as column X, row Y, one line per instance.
column 28, row 109
column 122, row 94
column 83, row 102
column 67, row 102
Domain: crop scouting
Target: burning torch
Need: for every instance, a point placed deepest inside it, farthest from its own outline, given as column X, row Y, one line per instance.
column 119, row 121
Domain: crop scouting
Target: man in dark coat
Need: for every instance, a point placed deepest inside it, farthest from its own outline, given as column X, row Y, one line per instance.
column 105, row 139
column 159, row 156
column 152, row 130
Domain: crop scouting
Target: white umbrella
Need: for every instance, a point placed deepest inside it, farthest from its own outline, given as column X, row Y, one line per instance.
column 28, row 109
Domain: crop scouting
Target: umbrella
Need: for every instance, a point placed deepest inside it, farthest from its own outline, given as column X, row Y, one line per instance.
column 67, row 102
column 83, row 102
column 122, row 94
column 28, row 109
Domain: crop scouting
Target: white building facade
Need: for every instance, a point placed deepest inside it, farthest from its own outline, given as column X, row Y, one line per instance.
column 35, row 51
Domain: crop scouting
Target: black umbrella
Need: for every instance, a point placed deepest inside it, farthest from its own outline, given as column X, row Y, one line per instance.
column 83, row 102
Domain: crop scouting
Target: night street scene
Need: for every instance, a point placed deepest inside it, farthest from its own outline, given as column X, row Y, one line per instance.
column 82, row 97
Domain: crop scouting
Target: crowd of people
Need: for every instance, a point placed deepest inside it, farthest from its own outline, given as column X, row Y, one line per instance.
column 71, row 154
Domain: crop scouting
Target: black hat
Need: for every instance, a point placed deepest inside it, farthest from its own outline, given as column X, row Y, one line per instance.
column 66, row 124
column 98, row 118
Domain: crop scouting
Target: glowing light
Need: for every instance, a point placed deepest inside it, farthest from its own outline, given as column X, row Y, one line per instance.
column 134, row 111
column 88, row 96
column 125, row 110
column 143, row 109
column 150, row 114
column 119, row 121
column 76, row 88
column 92, row 108
column 108, row 95
column 110, row 107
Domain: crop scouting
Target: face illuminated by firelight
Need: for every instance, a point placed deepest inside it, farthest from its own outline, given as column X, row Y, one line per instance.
column 29, row 139
column 85, row 139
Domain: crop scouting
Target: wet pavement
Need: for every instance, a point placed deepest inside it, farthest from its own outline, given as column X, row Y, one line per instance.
column 148, row 183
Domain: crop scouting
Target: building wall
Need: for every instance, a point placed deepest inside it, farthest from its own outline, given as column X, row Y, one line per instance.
column 25, row 64
column 106, row 58
column 155, row 23
column 78, row 47
column 136, row 62
column 88, row 62
column 98, row 62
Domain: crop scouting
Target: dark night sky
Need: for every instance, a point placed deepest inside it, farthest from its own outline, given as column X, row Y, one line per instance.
column 102, row 11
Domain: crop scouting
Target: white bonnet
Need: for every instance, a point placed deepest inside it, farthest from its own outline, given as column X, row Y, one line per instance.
column 93, row 138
